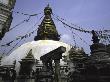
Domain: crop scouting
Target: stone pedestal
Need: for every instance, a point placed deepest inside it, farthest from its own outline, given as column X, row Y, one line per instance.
column 98, row 52
column 57, row 71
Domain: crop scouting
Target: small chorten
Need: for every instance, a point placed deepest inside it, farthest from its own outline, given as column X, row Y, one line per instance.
column 27, row 64
column 77, row 54
column 98, row 50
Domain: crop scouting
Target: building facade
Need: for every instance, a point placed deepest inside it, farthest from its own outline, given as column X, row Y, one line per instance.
column 6, row 7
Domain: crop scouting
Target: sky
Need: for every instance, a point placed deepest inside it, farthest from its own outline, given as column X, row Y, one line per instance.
column 88, row 14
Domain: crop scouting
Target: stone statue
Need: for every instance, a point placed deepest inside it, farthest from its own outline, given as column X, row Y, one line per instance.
column 94, row 37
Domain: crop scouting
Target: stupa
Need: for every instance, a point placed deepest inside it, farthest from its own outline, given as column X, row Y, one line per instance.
column 46, row 40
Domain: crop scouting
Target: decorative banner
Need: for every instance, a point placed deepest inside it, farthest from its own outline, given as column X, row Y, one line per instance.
column 19, row 37
column 17, row 25
column 101, row 34
column 22, row 37
column 25, row 20
column 78, row 27
column 104, row 36
column 16, row 12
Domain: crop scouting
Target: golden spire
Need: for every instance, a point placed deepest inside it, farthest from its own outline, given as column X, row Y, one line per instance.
column 47, row 29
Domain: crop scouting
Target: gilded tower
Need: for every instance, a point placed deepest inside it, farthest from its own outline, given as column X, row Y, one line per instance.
column 47, row 29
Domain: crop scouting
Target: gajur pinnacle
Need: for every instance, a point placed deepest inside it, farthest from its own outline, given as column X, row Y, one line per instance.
column 47, row 29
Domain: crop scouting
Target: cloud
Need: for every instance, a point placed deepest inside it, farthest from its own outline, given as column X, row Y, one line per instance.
column 66, row 38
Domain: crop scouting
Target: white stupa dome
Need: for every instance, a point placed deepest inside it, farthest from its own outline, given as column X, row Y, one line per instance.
column 39, row 48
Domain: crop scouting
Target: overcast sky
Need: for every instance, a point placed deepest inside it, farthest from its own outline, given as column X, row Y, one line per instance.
column 89, row 14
